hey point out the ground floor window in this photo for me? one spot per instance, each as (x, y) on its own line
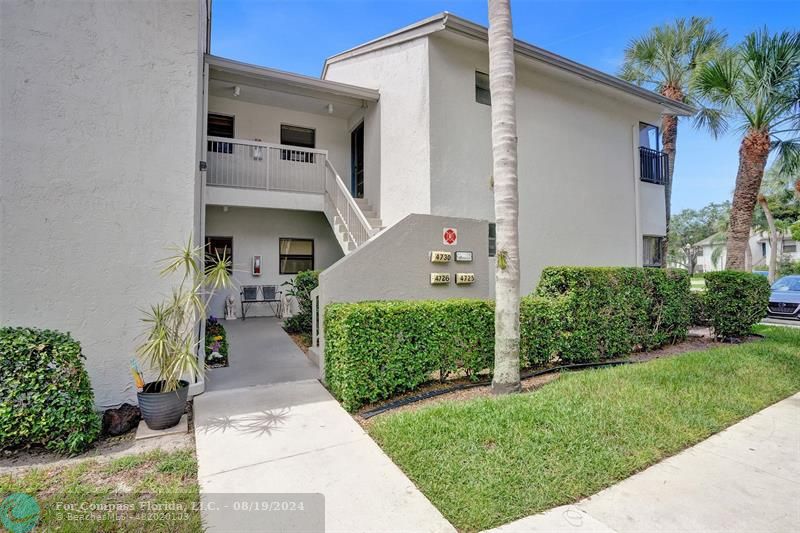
(221, 247)
(651, 247)
(296, 255)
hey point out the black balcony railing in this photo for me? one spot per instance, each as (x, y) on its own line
(653, 166)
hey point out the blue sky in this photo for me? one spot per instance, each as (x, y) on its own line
(298, 35)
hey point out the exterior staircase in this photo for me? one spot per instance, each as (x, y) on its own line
(354, 220)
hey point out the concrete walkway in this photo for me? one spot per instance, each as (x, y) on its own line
(744, 479)
(260, 352)
(290, 442)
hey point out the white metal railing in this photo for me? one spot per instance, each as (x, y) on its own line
(257, 165)
(341, 208)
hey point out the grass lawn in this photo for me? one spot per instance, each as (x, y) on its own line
(698, 283)
(489, 461)
(153, 478)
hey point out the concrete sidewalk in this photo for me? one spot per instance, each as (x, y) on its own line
(295, 438)
(260, 353)
(744, 479)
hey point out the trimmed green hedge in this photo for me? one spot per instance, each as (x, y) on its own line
(735, 301)
(698, 303)
(617, 310)
(45, 394)
(374, 350)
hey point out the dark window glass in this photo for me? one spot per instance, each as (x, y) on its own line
(651, 251)
(482, 93)
(492, 239)
(297, 136)
(789, 247)
(221, 247)
(296, 255)
(220, 126)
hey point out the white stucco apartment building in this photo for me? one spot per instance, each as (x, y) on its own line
(121, 135)
(712, 254)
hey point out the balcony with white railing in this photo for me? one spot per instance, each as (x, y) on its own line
(255, 174)
(271, 167)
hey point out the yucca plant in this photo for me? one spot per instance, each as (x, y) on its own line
(171, 342)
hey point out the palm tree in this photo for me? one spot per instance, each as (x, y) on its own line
(502, 81)
(772, 230)
(665, 60)
(757, 85)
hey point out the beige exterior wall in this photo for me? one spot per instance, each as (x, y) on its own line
(99, 155)
(577, 179)
(397, 131)
(581, 202)
(257, 232)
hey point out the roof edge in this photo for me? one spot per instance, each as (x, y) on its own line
(290, 78)
(448, 21)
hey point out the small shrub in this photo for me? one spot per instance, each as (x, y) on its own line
(788, 268)
(45, 394)
(735, 301)
(216, 340)
(300, 288)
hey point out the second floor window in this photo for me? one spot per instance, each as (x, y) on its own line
(482, 93)
(301, 137)
(220, 126)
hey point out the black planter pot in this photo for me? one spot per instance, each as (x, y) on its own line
(162, 410)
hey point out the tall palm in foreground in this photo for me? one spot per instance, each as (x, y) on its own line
(502, 81)
(665, 60)
(756, 85)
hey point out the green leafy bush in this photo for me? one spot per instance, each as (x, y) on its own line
(377, 349)
(735, 301)
(300, 288)
(788, 268)
(617, 310)
(45, 394)
(698, 306)
(374, 350)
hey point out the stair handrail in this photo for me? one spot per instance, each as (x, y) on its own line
(343, 192)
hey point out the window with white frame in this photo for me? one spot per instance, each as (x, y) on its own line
(789, 247)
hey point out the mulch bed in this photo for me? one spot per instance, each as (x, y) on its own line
(692, 344)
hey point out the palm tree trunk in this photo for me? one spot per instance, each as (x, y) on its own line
(502, 81)
(669, 141)
(773, 239)
(753, 154)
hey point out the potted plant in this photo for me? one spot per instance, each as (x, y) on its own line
(171, 342)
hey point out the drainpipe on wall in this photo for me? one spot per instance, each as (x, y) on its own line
(636, 196)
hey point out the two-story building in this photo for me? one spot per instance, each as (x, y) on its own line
(121, 135)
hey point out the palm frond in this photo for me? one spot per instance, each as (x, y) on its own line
(788, 158)
(714, 120)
